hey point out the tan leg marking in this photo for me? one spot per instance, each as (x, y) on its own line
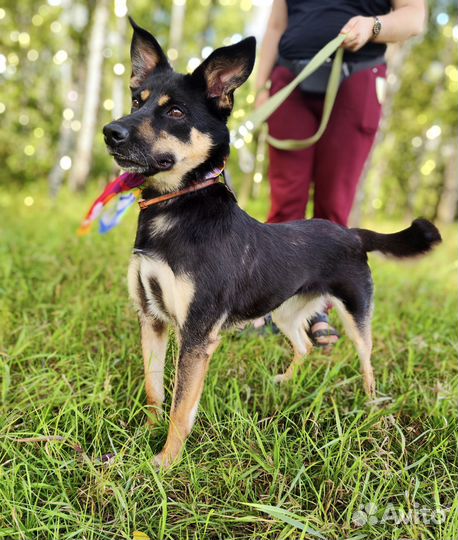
(365, 351)
(190, 375)
(291, 317)
(296, 362)
(153, 337)
(154, 347)
(189, 383)
(362, 338)
(133, 284)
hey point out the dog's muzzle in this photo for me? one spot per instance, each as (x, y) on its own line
(122, 145)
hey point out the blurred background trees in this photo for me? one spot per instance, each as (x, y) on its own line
(414, 166)
(64, 72)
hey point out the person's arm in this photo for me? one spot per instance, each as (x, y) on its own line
(407, 19)
(277, 24)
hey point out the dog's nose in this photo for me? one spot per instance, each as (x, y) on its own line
(115, 134)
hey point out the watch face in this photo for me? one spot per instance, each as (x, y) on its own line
(377, 27)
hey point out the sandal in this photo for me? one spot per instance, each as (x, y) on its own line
(261, 326)
(268, 325)
(317, 336)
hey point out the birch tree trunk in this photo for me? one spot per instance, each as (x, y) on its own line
(119, 42)
(83, 154)
(448, 202)
(203, 36)
(66, 135)
(118, 93)
(176, 24)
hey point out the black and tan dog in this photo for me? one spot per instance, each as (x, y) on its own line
(203, 264)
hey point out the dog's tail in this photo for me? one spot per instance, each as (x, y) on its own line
(417, 239)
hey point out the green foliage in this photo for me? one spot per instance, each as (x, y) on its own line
(407, 172)
(263, 461)
(32, 91)
(411, 158)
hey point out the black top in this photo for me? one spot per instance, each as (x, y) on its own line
(312, 23)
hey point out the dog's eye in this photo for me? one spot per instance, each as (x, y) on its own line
(135, 104)
(175, 112)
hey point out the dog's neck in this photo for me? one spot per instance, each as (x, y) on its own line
(168, 183)
(213, 177)
(189, 217)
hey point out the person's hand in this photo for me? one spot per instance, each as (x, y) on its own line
(261, 98)
(359, 32)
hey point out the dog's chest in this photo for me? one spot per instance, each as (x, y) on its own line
(159, 292)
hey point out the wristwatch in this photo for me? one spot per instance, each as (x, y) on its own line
(377, 27)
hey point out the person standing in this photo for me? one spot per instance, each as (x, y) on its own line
(297, 30)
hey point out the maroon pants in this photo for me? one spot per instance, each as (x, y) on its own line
(335, 163)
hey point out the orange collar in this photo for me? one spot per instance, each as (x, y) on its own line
(144, 203)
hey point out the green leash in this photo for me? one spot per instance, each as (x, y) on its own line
(259, 116)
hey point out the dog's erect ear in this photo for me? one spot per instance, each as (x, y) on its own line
(225, 70)
(146, 55)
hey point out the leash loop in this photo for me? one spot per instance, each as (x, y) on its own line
(259, 116)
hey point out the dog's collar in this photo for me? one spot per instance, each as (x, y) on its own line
(213, 177)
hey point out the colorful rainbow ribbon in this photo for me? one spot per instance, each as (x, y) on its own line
(109, 220)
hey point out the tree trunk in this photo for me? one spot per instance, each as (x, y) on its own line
(66, 135)
(176, 24)
(204, 36)
(83, 155)
(448, 202)
(119, 41)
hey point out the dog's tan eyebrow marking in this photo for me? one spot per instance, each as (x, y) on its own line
(145, 94)
(163, 100)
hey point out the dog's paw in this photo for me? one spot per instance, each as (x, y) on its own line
(281, 378)
(369, 384)
(369, 388)
(158, 460)
(164, 460)
(151, 423)
(153, 417)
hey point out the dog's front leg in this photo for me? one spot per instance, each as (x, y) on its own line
(154, 347)
(190, 375)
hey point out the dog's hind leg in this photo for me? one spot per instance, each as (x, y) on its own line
(154, 348)
(291, 318)
(358, 329)
(296, 362)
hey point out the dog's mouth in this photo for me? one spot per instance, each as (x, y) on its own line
(164, 162)
(159, 163)
(126, 161)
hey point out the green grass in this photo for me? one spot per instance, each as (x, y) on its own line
(263, 462)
